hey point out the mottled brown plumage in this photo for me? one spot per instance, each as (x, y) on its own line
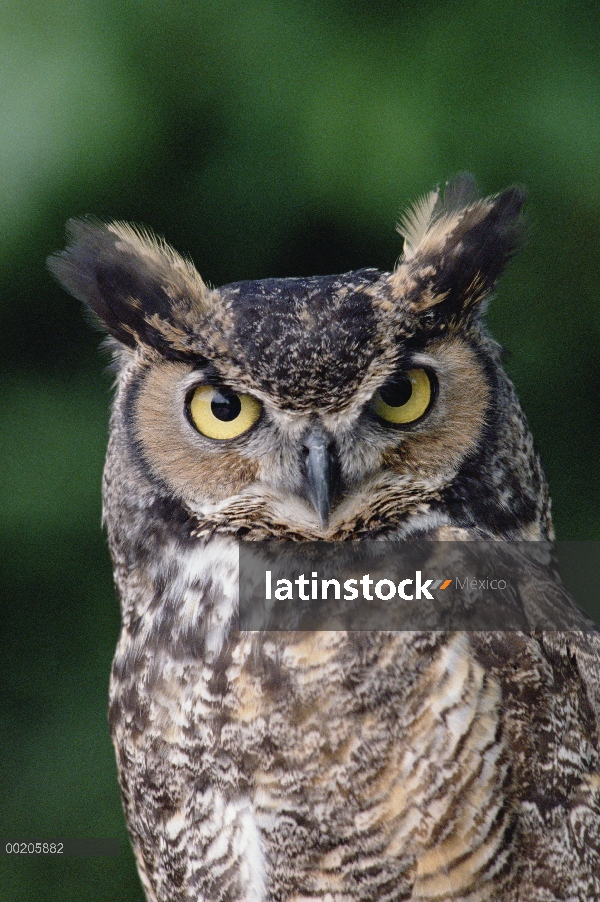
(334, 766)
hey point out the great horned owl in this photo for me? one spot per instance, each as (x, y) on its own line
(338, 766)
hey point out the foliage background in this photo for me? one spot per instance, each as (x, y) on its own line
(263, 138)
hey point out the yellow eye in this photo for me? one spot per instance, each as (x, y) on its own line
(217, 412)
(405, 398)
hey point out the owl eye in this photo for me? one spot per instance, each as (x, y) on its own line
(405, 398)
(217, 412)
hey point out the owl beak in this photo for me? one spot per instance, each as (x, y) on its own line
(320, 472)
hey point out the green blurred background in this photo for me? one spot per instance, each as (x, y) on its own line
(262, 138)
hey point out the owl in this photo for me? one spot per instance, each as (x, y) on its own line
(331, 766)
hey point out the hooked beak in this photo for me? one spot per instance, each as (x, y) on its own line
(321, 472)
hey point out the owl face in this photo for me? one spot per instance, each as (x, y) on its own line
(321, 408)
(219, 442)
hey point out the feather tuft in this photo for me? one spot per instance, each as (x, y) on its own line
(416, 221)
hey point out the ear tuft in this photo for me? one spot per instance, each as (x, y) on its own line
(455, 248)
(138, 286)
(415, 221)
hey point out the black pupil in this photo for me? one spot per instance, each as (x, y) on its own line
(225, 405)
(397, 393)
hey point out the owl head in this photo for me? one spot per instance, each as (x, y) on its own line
(334, 407)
